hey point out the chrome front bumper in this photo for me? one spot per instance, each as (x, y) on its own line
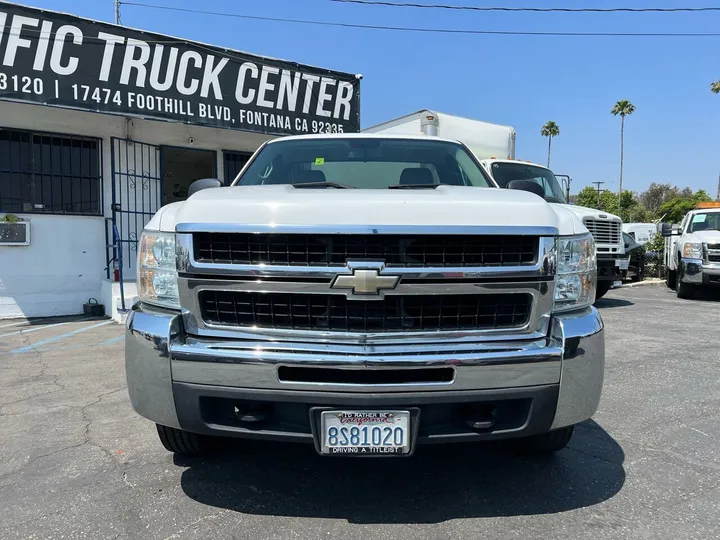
(160, 358)
(698, 271)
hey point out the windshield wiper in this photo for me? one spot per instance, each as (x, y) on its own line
(413, 186)
(320, 185)
(554, 200)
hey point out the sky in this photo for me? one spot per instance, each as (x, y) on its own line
(521, 81)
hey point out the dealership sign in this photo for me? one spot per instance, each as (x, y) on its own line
(66, 61)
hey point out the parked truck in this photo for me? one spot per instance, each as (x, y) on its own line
(692, 250)
(494, 146)
(365, 294)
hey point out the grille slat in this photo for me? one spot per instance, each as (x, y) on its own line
(337, 249)
(328, 312)
(604, 232)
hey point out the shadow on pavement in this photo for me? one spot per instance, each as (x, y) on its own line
(708, 294)
(439, 483)
(605, 303)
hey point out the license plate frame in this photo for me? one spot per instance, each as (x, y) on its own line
(317, 426)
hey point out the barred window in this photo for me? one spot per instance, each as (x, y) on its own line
(49, 173)
(234, 162)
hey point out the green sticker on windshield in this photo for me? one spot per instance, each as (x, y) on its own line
(699, 218)
(319, 161)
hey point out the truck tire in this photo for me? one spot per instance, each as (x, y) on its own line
(670, 278)
(639, 272)
(684, 290)
(181, 442)
(602, 288)
(545, 443)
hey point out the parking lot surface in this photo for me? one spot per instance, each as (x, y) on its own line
(77, 462)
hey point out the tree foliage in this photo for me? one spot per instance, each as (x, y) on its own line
(657, 201)
(674, 210)
(623, 108)
(715, 87)
(657, 194)
(550, 129)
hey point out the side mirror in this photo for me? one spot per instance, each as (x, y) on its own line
(666, 230)
(203, 183)
(527, 185)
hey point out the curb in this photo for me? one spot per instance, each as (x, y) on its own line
(646, 282)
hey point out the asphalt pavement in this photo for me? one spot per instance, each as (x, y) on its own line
(77, 462)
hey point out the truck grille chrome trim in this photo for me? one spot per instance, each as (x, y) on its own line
(712, 253)
(535, 324)
(427, 304)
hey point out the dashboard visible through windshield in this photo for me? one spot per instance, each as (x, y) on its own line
(703, 221)
(366, 163)
(504, 173)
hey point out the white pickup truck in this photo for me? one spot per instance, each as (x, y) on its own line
(494, 146)
(692, 250)
(365, 294)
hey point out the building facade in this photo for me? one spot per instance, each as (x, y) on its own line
(101, 125)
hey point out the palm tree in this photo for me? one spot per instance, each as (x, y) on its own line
(715, 87)
(623, 108)
(550, 130)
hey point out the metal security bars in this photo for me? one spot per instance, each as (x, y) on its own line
(50, 173)
(137, 193)
(233, 162)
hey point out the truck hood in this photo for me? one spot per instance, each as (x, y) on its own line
(584, 212)
(284, 205)
(707, 237)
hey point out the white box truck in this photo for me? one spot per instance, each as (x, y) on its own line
(494, 147)
(483, 138)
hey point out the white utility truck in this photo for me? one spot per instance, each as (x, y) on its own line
(494, 146)
(692, 250)
(642, 233)
(365, 294)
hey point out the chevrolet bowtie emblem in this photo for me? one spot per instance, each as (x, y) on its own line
(365, 281)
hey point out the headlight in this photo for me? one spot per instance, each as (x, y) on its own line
(693, 251)
(576, 272)
(157, 274)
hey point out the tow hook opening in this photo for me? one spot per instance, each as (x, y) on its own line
(253, 413)
(480, 417)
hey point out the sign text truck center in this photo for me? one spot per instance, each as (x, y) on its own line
(100, 125)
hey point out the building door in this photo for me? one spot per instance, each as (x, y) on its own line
(137, 193)
(181, 167)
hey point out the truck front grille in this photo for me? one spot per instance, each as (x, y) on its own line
(331, 312)
(712, 253)
(603, 231)
(337, 249)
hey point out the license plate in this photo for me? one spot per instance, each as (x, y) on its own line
(365, 432)
(617, 284)
(623, 264)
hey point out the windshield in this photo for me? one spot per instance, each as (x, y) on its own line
(504, 173)
(371, 163)
(705, 222)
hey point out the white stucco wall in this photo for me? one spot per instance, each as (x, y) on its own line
(64, 264)
(58, 272)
